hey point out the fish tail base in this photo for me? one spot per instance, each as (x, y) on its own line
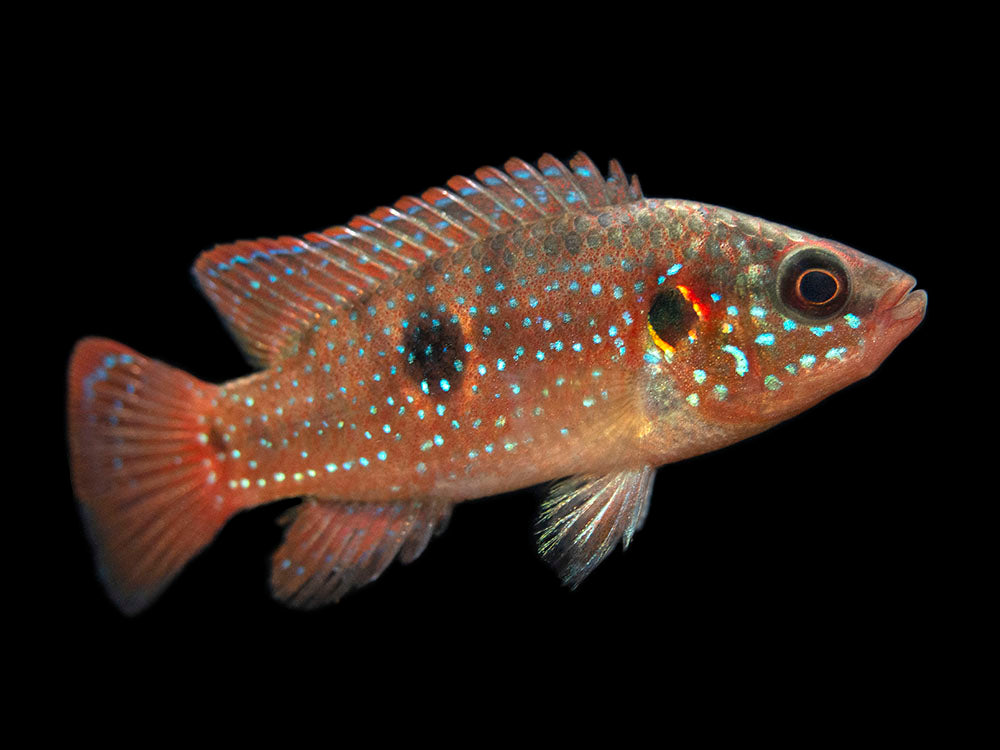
(144, 467)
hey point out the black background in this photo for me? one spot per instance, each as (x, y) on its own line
(813, 546)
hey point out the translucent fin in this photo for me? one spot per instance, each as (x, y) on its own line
(331, 548)
(584, 517)
(270, 291)
(143, 468)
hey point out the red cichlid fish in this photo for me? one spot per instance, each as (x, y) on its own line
(525, 326)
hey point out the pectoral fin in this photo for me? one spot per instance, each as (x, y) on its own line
(583, 518)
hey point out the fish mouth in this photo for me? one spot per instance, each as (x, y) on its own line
(904, 306)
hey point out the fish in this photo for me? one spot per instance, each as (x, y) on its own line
(532, 325)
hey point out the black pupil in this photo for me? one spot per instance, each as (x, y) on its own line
(817, 287)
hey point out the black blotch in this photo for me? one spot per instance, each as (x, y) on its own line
(671, 316)
(433, 348)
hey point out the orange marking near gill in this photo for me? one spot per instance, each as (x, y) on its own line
(696, 304)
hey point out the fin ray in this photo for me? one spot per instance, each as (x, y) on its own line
(333, 547)
(585, 517)
(148, 482)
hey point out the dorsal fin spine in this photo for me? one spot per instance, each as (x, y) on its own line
(430, 232)
(499, 204)
(503, 179)
(448, 241)
(474, 187)
(399, 216)
(447, 201)
(557, 167)
(391, 250)
(533, 173)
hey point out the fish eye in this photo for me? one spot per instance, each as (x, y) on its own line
(813, 283)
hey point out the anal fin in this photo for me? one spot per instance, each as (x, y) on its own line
(333, 547)
(584, 517)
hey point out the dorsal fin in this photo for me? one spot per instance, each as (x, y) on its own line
(270, 291)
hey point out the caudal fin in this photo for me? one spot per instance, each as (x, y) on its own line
(143, 467)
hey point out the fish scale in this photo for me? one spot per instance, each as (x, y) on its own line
(529, 325)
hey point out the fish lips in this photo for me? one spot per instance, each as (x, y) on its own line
(903, 307)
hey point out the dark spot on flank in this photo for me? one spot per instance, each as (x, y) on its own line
(435, 355)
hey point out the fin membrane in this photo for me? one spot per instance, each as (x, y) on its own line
(271, 291)
(332, 547)
(584, 517)
(146, 477)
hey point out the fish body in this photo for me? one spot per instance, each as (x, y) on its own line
(527, 326)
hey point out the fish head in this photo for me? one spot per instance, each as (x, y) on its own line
(766, 326)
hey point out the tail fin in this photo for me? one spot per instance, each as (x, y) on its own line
(143, 467)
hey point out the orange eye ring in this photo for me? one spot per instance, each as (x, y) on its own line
(817, 286)
(813, 284)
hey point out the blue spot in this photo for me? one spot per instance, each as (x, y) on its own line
(742, 364)
(595, 288)
(674, 269)
(381, 455)
(765, 339)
